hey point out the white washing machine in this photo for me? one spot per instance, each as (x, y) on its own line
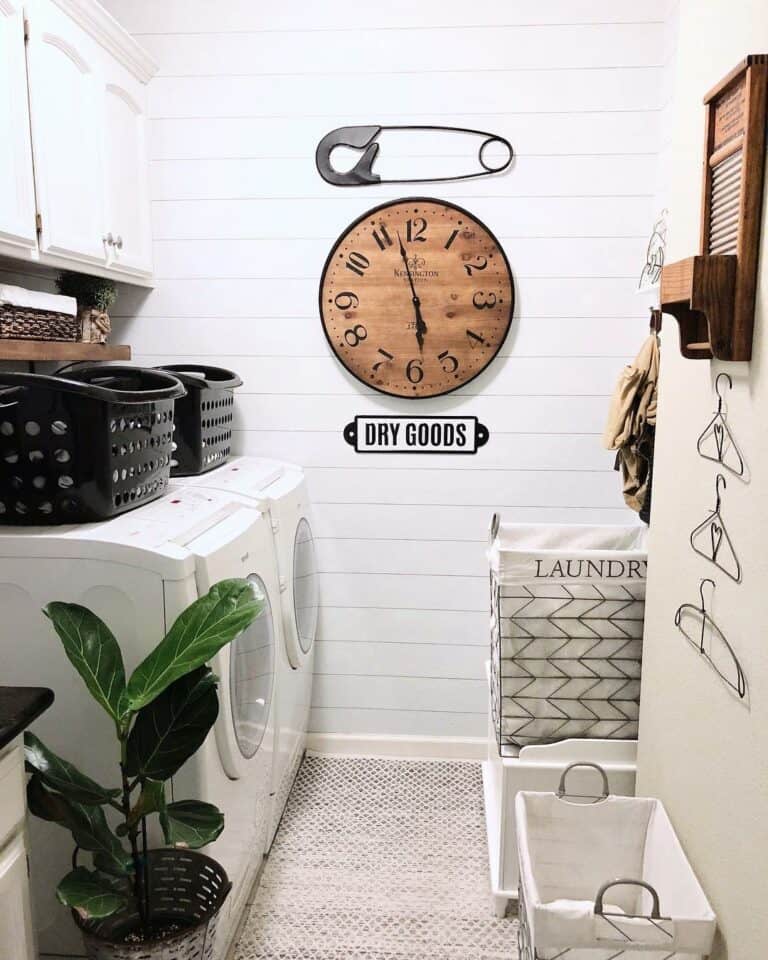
(281, 489)
(138, 572)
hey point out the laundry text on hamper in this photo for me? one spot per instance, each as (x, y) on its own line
(587, 569)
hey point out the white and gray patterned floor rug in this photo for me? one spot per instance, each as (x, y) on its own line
(379, 860)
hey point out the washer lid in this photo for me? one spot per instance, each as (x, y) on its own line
(154, 536)
(247, 476)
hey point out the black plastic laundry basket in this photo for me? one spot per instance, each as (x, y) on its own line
(84, 447)
(203, 432)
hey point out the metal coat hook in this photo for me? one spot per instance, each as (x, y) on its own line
(716, 441)
(726, 666)
(710, 537)
(366, 138)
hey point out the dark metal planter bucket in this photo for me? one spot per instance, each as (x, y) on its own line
(187, 888)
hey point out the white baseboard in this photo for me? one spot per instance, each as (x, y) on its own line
(399, 747)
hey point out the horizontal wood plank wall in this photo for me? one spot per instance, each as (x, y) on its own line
(242, 226)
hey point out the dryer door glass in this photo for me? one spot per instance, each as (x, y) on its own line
(304, 585)
(251, 675)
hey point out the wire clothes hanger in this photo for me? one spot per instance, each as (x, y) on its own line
(654, 254)
(720, 654)
(716, 442)
(710, 539)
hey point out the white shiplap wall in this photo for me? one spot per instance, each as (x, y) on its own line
(242, 225)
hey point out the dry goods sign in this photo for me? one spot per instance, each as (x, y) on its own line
(389, 434)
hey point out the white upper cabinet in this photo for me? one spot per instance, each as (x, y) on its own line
(17, 191)
(127, 219)
(67, 134)
(86, 81)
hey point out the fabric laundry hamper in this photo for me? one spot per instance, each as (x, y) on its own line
(567, 609)
(605, 877)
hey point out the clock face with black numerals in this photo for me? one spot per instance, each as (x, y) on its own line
(416, 298)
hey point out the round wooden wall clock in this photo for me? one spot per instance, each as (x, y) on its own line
(416, 297)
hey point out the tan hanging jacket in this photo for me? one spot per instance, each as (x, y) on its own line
(632, 412)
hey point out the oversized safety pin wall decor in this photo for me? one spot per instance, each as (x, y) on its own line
(720, 655)
(710, 539)
(366, 138)
(716, 441)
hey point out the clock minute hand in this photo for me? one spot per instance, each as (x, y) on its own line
(421, 327)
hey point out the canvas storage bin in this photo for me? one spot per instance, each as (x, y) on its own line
(605, 877)
(567, 609)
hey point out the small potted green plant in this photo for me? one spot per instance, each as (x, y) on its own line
(133, 902)
(94, 296)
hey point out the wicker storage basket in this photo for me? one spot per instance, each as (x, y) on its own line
(186, 888)
(25, 323)
(86, 447)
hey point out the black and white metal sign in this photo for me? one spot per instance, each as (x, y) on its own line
(388, 434)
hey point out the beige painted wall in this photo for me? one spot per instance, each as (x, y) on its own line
(704, 752)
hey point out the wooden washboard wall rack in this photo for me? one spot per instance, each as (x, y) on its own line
(712, 295)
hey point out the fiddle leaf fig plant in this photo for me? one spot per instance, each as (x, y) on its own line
(161, 715)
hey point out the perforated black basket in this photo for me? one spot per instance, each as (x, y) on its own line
(203, 433)
(187, 890)
(84, 447)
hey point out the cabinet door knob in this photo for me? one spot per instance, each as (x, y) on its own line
(108, 239)
(119, 242)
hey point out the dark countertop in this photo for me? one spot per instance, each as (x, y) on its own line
(20, 706)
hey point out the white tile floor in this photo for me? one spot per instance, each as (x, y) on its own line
(381, 860)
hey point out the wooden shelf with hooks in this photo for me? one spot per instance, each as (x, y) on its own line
(36, 351)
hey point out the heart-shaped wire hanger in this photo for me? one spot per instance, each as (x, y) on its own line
(716, 442)
(710, 538)
(720, 654)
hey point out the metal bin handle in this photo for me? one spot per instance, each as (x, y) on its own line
(561, 791)
(655, 909)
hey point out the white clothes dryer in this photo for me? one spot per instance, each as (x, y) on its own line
(138, 572)
(280, 488)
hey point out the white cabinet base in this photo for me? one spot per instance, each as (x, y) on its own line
(17, 935)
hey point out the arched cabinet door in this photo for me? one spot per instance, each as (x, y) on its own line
(17, 193)
(67, 134)
(126, 181)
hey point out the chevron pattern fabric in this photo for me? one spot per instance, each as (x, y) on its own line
(566, 661)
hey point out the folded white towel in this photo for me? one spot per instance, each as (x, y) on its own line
(570, 909)
(35, 300)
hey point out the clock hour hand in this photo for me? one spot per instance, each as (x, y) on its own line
(421, 327)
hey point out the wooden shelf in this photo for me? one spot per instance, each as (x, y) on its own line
(699, 293)
(40, 350)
